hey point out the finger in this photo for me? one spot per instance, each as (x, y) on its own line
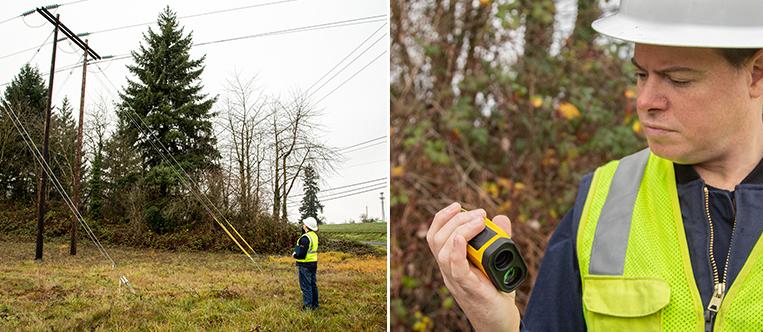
(468, 277)
(440, 218)
(455, 222)
(446, 251)
(460, 268)
(503, 222)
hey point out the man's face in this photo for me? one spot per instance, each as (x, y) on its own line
(692, 104)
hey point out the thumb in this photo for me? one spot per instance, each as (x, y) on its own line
(503, 222)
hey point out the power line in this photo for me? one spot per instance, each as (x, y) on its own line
(151, 22)
(351, 77)
(39, 48)
(368, 19)
(367, 163)
(365, 147)
(347, 56)
(193, 15)
(361, 143)
(46, 7)
(355, 194)
(347, 186)
(347, 65)
(287, 31)
(384, 185)
(322, 197)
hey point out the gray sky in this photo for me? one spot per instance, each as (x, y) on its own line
(356, 112)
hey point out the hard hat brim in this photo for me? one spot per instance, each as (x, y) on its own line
(679, 35)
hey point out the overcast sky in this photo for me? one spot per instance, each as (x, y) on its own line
(285, 62)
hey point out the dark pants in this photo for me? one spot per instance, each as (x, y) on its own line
(309, 287)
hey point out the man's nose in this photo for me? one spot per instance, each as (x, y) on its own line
(651, 96)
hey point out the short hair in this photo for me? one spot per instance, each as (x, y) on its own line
(737, 57)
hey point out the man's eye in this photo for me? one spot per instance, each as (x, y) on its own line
(679, 82)
(640, 76)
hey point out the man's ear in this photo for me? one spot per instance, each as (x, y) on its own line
(756, 84)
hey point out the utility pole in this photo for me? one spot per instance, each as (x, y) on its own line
(382, 201)
(78, 156)
(43, 182)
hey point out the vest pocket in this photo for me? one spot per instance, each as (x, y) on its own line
(616, 303)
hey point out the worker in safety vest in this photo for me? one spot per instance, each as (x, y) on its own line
(668, 238)
(306, 253)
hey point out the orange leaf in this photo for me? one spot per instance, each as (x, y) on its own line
(568, 111)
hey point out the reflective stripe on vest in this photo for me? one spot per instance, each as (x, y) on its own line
(634, 260)
(611, 238)
(312, 248)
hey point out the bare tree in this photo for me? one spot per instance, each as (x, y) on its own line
(244, 112)
(296, 145)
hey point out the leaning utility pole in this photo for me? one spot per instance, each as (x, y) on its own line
(43, 182)
(78, 157)
(382, 201)
(42, 187)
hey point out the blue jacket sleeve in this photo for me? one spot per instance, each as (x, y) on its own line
(300, 252)
(556, 301)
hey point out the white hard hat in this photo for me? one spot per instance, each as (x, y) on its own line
(311, 223)
(689, 23)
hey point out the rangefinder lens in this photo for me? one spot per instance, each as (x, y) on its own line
(503, 259)
(512, 276)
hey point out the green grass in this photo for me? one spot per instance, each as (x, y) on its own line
(376, 232)
(184, 291)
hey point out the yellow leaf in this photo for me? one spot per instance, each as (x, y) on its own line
(485, 2)
(519, 186)
(492, 189)
(398, 171)
(636, 127)
(629, 93)
(568, 111)
(504, 182)
(536, 101)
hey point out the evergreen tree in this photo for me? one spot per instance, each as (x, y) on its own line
(96, 185)
(310, 204)
(166, 100)
(27, 97)
(63, 144)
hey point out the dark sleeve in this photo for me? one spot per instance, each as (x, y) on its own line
(556, 301)
(301, 249)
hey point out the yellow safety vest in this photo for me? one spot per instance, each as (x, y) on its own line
(312, 249)
(645, 282)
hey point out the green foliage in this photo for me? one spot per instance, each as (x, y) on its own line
(96, 184)
(365, 232)
(63, 144)
(310, 204)
(26, 96)
(166, 101)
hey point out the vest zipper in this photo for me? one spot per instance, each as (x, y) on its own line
(719, 286)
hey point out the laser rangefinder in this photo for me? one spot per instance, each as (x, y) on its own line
(495, 254)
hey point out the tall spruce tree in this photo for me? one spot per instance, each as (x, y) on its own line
(27, 97)
(310, 204)
(166, 97)
(95, 185)
(63, 144)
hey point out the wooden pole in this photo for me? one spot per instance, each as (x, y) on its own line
(78, 157)
(43, 182)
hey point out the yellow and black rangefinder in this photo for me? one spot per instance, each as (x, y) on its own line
(496, 255)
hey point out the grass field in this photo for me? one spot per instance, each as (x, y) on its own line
(183, 291)
(374, 232)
